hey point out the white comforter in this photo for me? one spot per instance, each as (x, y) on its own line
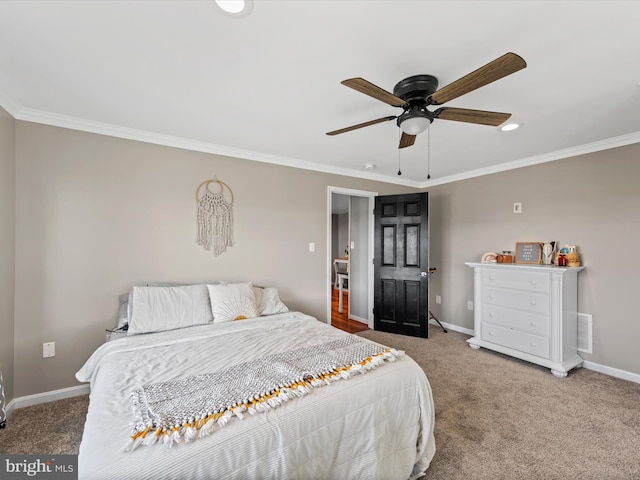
(376, 425)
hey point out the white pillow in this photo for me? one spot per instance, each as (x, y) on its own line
(268, 301)
(155, 309)
(129, 305)
(233, 301)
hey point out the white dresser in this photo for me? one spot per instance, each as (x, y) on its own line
(529, 312)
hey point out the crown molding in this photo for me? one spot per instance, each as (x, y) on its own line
(74, 123)
(605, 144)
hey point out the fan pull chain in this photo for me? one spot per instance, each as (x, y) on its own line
(399, 150)
(428, 154)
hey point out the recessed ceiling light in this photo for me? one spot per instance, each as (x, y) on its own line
(235, 8)
(509, 126)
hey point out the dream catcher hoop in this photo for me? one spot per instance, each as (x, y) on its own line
(215, 217)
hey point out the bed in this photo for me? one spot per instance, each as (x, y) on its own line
(376, 422)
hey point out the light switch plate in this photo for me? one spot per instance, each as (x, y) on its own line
(48, 349)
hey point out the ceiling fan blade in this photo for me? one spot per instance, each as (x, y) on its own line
(501, 67)
(471, 116)
(406, 140)
(361, 125)
(368, 88)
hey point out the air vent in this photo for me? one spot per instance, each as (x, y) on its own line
(585, 333)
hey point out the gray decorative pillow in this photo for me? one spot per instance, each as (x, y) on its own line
(123, 310)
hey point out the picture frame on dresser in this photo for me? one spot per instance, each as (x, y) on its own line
(529, 252)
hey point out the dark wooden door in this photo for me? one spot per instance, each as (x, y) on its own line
(401, 264)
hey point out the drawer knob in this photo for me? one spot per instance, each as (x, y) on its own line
(533, 282)
(490, 278)
(533, 324)
(533, 344)
(491, 295)
(491, 315)
(491, 334)
(533, 302)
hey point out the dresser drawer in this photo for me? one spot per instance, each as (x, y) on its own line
(523, 342)
(520, 279)
(523, 321)
(525, 301)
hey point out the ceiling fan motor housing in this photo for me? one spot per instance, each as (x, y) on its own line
(417, 87)
(415, 90)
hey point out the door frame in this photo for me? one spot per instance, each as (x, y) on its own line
(329, 259)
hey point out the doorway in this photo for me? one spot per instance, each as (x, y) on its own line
(350, 235)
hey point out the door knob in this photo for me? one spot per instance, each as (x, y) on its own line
(424, 274)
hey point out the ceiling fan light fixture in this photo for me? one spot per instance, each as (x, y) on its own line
(414, 121)
(509, 127)
(235, 8)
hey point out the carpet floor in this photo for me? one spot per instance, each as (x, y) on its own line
(496, 417)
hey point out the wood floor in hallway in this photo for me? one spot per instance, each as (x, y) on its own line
(341, 320)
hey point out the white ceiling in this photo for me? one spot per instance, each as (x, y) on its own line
(267, 87)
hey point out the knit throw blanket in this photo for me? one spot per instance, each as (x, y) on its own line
(187, 409)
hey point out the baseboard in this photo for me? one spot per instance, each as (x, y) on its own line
(614, 372)
(9, 408)
(455, 328)
(359, 319)
(44, 397)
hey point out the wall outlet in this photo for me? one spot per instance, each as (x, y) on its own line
(438, 299)
(312, 247)
(517, 207)
(48, 349)
(469, 304)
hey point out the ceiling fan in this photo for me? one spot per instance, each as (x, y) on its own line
(414, 94)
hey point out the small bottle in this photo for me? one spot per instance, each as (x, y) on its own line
(562, 260)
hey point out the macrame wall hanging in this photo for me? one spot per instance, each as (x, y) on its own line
(215, 217)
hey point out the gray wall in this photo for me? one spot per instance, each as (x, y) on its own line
(7, 247)
(97, 214)
(591, 201)
(358, 259)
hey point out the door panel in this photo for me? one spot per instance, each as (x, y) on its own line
(388, 245)
(412, 246)
(401, 254)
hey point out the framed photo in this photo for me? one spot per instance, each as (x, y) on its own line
(529, 252)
